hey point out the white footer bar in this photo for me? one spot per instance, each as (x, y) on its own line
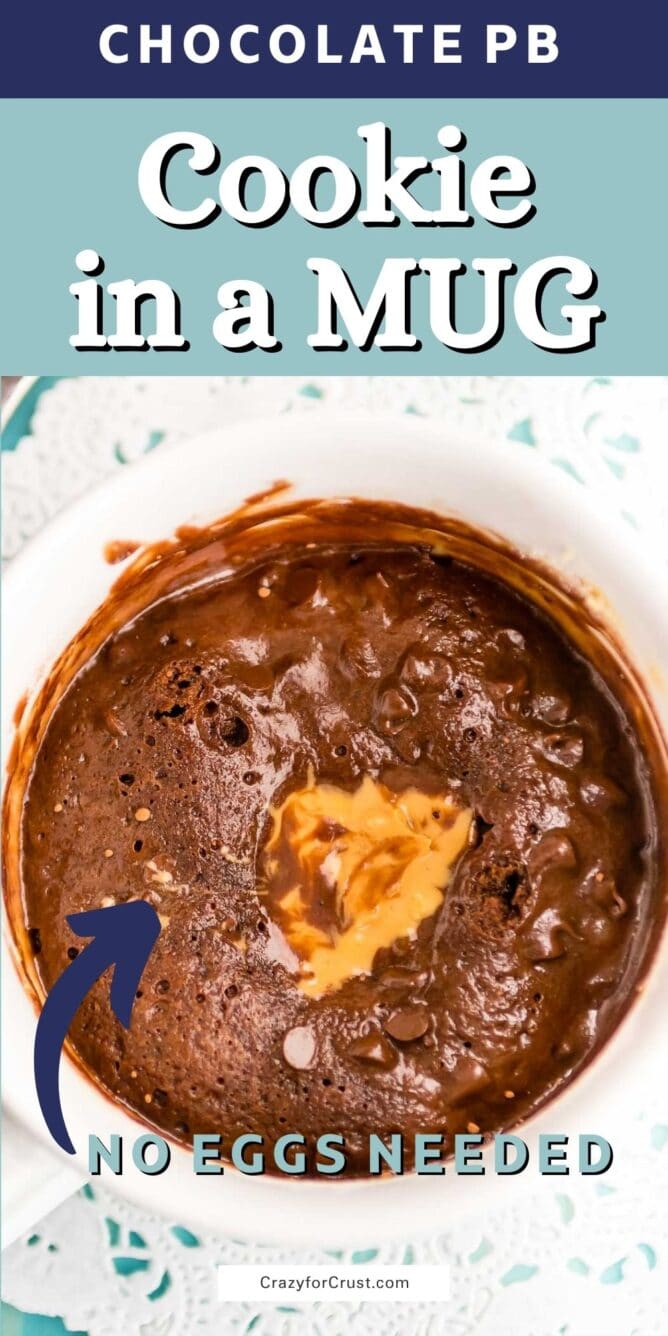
(330, 1284)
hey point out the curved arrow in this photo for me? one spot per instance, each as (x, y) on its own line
(123, 936)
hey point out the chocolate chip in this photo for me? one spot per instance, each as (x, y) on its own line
(114, 724)
(597, 928)
(160, 1097)
(546, 940)
(373, 1048)
(400, 976)
(603, 890)
(551, 708)
(300, 585)
(601, 793)
(422, 669)
(299, 1047)
(553, 850)
(35, 940)
(358, 657)
(565, 748)
(395, 708)
(407, 1023)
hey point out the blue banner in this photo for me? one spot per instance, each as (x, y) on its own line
(493, 48)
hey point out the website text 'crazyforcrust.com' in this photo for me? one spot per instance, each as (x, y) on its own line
(259, 1283)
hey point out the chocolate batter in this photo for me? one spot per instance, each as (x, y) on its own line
(400, 831)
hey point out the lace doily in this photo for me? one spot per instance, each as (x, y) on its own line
(571, 1259)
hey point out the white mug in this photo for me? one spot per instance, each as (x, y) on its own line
(61, 577)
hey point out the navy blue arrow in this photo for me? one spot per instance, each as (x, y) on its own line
(124, 936)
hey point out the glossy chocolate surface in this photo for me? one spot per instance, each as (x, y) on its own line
(324, 658)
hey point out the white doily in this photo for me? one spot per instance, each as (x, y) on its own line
(586, 1263)
(569, 1261)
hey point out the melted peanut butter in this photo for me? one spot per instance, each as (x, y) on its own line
(382, 859)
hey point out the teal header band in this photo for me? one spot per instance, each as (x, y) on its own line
(71, 186)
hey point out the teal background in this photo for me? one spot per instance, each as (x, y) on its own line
(13, 1323)
(70, 174)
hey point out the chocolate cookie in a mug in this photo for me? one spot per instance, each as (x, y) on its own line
(399, 819)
